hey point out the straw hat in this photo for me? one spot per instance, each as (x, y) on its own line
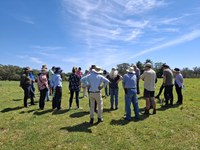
(131, 70)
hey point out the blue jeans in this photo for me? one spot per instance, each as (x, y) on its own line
(131, 96)
(114, 97)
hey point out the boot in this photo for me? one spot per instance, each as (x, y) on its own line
(146, 111)
(154, 111)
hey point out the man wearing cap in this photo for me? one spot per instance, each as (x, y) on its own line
(149, 78)
(57, 88)
(26, 83)
(130, 87)
(178, 85)
(168, 82)
(95, 83)
(114, 79)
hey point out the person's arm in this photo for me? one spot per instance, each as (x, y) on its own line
(105, 82)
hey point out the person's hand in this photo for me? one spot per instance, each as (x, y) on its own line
(100, 87)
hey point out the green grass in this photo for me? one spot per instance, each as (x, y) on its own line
(29, 128)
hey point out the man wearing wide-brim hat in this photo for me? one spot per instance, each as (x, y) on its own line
(149, 78)
(95, 83)
(130, 87)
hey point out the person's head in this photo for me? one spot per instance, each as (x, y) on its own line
(104, 72)
(113, 73)
(147, 66)
(176, 70)
(27, 70)
(53, 68)
(165, 66)
(134, 66)
(130, 70)
(44, 71)
(92, 67)
(44, 66)
(86, 71)
(58, 70)
(79, 68)
(74, 69)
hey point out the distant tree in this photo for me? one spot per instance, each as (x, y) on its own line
(122, 68)
(158, 69)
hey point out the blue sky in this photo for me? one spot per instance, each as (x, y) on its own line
(69, 33)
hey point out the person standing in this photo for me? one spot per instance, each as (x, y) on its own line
(25, 84)
(85, 90)
(96, 83)
(130, 88)
(79, 72)
(107, 91)
(74, 87)
(149, 78)
(137, 73)
(50, 75)
(168, 84)
(56, 82)
(43, 87)
(114, 79)
(178, 85)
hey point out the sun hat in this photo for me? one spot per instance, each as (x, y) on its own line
(131, 70)
(148, 65)
(165, 66)
(58, 70)
(27, 69)
(97, 69)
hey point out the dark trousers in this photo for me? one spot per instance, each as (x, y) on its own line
(56, 103)
(161, 89)
(28, 93)
(72, 96)
(179, 94)
(138, 87)
(168, 93)
(43, 93)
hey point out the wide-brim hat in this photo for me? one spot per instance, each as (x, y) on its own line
(148, 65)
(131, 70)
(165, 66)
(97, 69)
(27, 69)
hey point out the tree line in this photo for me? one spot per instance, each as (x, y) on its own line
(13, 73)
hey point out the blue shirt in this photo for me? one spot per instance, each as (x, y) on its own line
(129, 81)
(94, 80)
(56, 80)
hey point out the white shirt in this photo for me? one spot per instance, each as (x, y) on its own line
(149, 78)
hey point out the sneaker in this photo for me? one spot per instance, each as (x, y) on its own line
(100, 120)
(70, 108)
(125, 118)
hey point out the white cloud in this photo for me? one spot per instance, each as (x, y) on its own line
(47, 48)
(184, 38)
(26, 19)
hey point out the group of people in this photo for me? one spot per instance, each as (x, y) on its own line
(95, 79)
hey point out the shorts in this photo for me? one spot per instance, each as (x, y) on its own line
(148, 93)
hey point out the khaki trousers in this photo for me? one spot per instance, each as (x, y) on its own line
(98, 98)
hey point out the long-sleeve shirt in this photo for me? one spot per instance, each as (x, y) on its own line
(42, 81)
(74, 82)
(94, 80)
(56, 81)
(179, 80)
(129, 81)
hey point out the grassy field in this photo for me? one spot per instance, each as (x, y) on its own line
(32, 129)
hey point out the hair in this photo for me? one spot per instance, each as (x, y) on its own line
(74, 69)
(113, 74)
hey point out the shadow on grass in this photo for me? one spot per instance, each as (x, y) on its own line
(29, 111)
(40, 112)
(121, 122)
(83, 127)
(16, 100)
(79, 114)
(11, 109)
(141, 97)
(59, 112)
(163, 108)
(108, 110)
